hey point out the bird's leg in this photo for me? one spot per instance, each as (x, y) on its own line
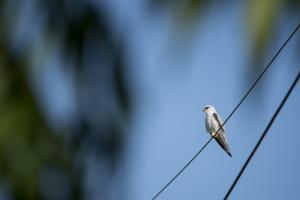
(213, 134)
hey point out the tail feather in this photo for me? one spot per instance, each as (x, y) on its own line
(221, 140)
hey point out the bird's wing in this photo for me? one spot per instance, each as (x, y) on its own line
(219, 121)
(222, 141)
(221, 137)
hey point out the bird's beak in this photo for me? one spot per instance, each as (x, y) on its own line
(203, 109)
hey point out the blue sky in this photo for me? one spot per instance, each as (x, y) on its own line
(174, 71)
(173, 82)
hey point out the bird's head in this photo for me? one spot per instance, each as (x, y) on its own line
(208, 108)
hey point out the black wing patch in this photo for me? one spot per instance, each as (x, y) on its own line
(217, 119)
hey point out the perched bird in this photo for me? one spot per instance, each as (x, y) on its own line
(213, 122)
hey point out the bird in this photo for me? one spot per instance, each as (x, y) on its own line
(213, 123)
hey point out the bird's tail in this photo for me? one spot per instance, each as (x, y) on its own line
(222, 141)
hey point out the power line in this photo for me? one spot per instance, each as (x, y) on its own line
(236, 107)
(262, 136)
(182, 169)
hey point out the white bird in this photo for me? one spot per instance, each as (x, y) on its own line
(213, 122)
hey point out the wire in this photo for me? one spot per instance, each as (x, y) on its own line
(182, 169)
(236, 107)
(262, 136)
